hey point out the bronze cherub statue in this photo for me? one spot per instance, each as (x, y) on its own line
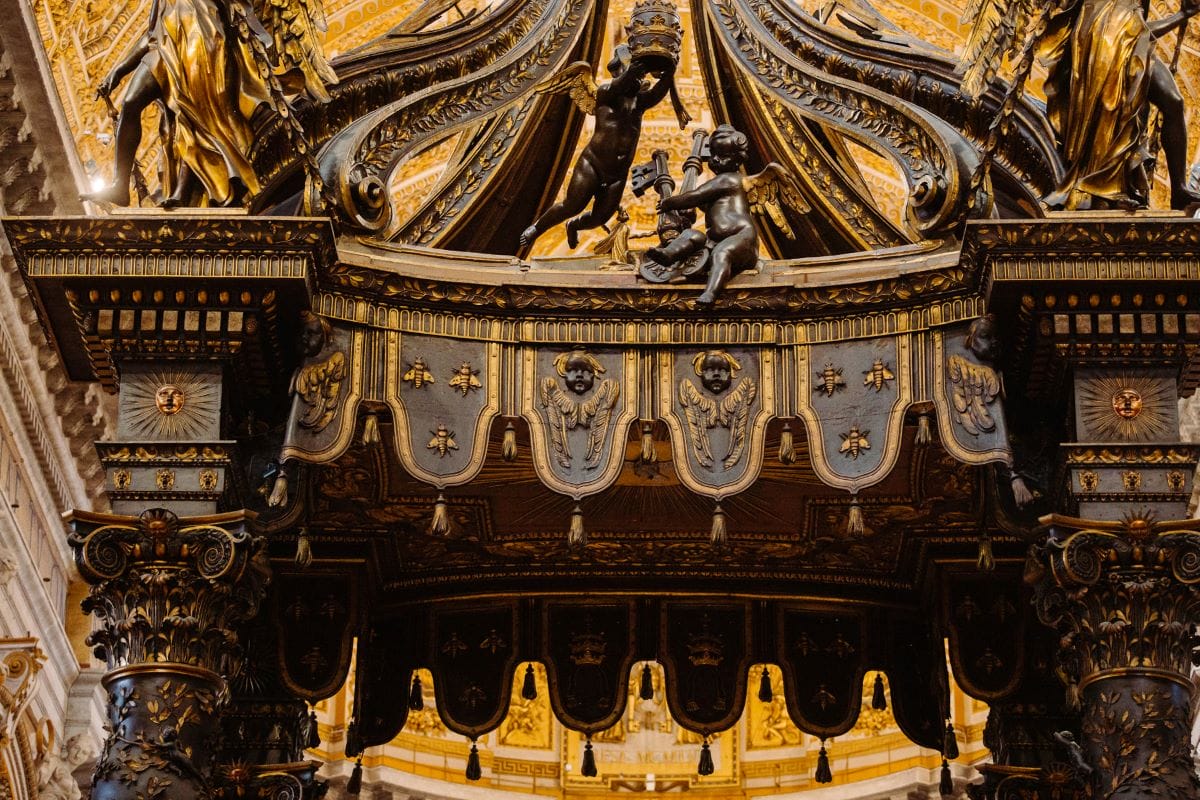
(603, 166)
(729, 201)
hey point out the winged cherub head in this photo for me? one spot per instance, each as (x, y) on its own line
(981, 338)
(716, 369)
(314, 334)
(728, 149)
(578, 369)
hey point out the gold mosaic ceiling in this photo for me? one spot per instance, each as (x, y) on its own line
(84, 38)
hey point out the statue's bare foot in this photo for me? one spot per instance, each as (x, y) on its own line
(706, 299)
(572, 235)
(114, 194)
(658, 256)
(1183, 198)
(528, 235)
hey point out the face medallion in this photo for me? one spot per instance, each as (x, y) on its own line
(169, 399)
(1127, 403)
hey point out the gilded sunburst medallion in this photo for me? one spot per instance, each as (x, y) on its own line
(1126, 407)
(171, 405)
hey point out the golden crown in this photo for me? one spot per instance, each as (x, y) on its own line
(655, 33)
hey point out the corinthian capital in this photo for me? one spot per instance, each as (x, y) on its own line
(167, 589)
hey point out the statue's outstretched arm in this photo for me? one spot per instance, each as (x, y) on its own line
(648, 98)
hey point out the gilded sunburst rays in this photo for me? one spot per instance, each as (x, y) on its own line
(1127, 407)
(195, 399)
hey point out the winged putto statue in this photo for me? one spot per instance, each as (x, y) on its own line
(705, 410)
(603, 166)
(318, 384)
(1103, 76)
(567, 409)
(729, 200)
(210, 64)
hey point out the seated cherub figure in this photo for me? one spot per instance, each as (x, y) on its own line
(728, 200)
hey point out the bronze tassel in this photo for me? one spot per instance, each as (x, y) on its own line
(924, 430)
(720, 537)
(509, 448)
(440, 524)
(986, 562)
(787, 448)
(649, 454)
(950, 744)
(588, 770)
(764, 686)
(474, 771)
(706, 761)
(576, 535)
(416, 696)
(529, 687)
(646, 690)
(824, 773)
(354, 785)
(946, 784)
(370, 434)
(879, 697)
(279, 491)
(304, 556)
(855, 526)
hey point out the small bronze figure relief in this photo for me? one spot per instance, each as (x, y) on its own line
(578, 370)
(603, 167)
(974, 384)
(730, 243)
(318, 384)
(705, 410)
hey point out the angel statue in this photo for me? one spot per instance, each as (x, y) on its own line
(200, 61)
(716, 370)
(729, 200)
(1103, 74)
(603, 166)
(578, 370)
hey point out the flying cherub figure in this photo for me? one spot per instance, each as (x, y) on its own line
(729, 200)
(603, 166)
(578, 370)
(716, 370)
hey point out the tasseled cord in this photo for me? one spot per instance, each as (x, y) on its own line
(304, 556)
(720, 536)
(824, 773)
(649, 453)
(440, 524)
(509, 447)
(370, 434)
(879, 697)
(854, 520)
(588, 770)
(787, 448)
(646, 690)
(314, 733)
(576, 535)
(279, 490)
(705, 767)
(416, 695)
(764, 686)
(924, 430)
(946, 784)
(986, 562)
(950, 744)
(354, 785)
(529, 687)
(474, 771)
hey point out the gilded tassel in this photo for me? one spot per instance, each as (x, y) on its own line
(879, 697)
(950, 744)
(720, 537)
(576, 535)
(279, 491)
(855, 526)
(304, 556)
(946, 784)
(706, 762)
(529, 688)
(370, 434)
(509, 448)
(649, 453)
(1022, 495)
(646, 691)
(440, 524)
(824, 773)
(314, 733)
(354, 785)
(764, 686)
(416, 696)
(986, 562)
(588, 770)
(474, 771)
(924, 430)
(787, 449)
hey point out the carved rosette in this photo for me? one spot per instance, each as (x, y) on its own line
(1122, 597)
(168, 594)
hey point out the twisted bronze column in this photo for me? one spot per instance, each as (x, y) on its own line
(168, 593)
(1122, 597)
